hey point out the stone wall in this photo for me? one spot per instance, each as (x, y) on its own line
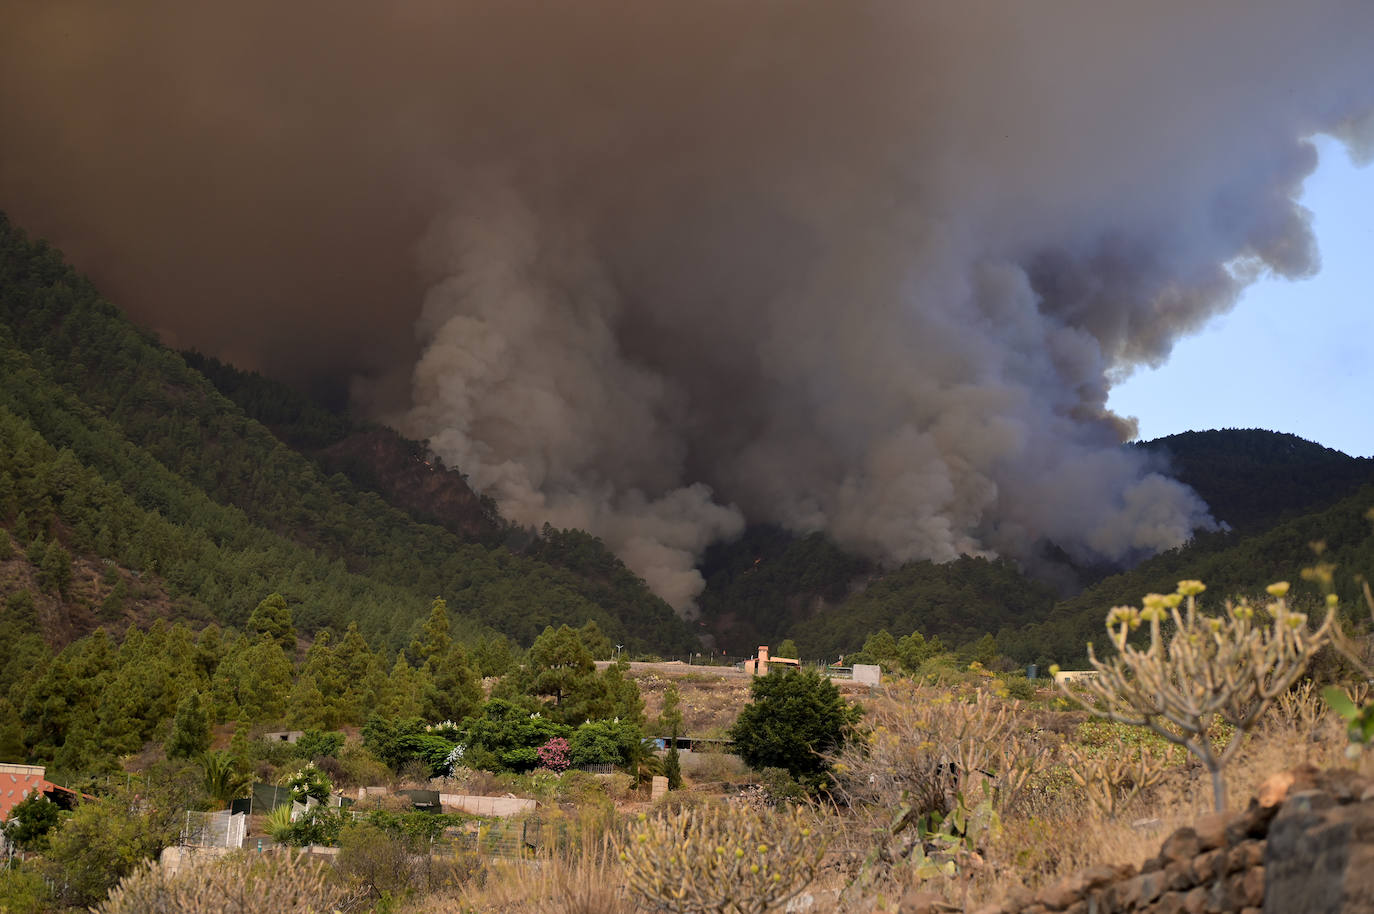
(1304, 846)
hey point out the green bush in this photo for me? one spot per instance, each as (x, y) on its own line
(795, 719)
(315, 744)
(22, 891)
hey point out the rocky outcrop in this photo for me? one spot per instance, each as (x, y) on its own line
(1305, 845)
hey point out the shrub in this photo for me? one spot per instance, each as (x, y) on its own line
(309, 782)
(794, 721)
(283, 883)
(318, 826)
(719, 858)
(23, 891)
(1227, 668)
(30, 821)
(315, 744)
(553, 755)
(606, 742)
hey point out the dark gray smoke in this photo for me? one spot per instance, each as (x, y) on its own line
(651, 268)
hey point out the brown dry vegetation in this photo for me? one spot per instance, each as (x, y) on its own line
(1046, 828)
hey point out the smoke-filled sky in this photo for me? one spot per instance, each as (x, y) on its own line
(656, 268)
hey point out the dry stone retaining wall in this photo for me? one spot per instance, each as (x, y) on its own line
(1304, 846)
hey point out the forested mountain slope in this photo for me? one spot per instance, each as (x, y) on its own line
(1277, 493)
(115, 449)
(1230, 564)
(1253, 478)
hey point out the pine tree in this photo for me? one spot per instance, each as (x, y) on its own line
(272, 617)
(55, 571)
(190, 729)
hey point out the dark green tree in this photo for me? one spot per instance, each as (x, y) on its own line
(272, 617)
(795, 718)
(670, 717)
(434, 640)
(190, 729)
(30, 821)
(55, 572)
(494, 656)
(596, 642)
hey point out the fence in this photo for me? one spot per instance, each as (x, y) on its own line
(527, 838)
(214, 829)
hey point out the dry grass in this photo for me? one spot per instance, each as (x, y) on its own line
(587, 882)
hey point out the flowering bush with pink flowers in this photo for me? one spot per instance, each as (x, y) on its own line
(554, 754)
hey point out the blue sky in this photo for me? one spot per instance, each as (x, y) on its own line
(1291, 356)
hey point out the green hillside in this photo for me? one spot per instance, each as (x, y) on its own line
(114, 450)
(1252, 478)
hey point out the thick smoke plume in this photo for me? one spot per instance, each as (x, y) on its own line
(865, 267)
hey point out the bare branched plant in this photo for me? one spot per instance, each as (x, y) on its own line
(720, 859)
(921, 754)
(1227, 668)
(926, 786)
(1112, 780)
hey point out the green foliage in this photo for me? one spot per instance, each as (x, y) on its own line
(606, 742)
(507, 737)
(309, 782)
(190, 729)
(102, 842)
(272, 617)
(30, 821)
(55, 571)
(1359, 719)
(794, 719)
(958, 601)
(315, 744)
(670, 717)
(672, 768)
(132, 455)
(23, 890)
(318, 825)
(781, 788)
(398, 741)
(494, 656)
(222, 781)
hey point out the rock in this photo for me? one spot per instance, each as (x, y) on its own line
(1251, 889)
(1274, 789)
(1208, 864)
(1253, 823)
(1168, 903)
(1182, 845)
(1211, 830)
(1060, 895)
(1137, 891)
(1319, 858)
(1195, 901)
(1244, 855)
(915, 902)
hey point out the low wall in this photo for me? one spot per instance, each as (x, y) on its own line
(485, 806)
(1305, 846)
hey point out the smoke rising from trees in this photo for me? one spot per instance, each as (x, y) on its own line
(655, 268)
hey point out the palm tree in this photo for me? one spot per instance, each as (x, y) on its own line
(223, 782)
